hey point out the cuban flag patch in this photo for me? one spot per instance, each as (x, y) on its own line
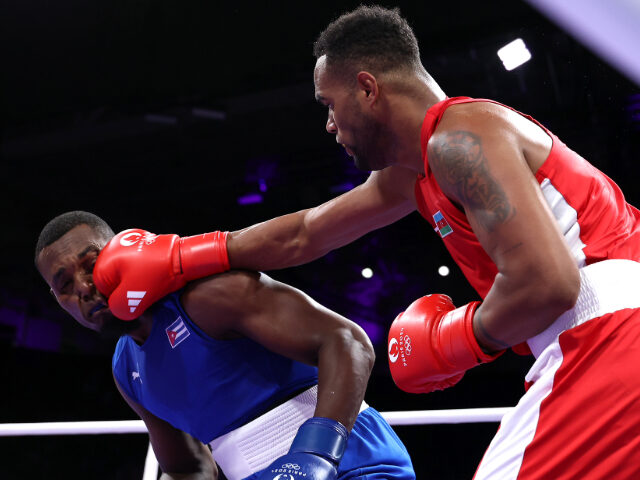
(442, 226)
(177, 332)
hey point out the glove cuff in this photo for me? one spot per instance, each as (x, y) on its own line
(204, 255)
(456, 333)
(323, 437)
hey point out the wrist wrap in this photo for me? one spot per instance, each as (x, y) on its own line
(323, 437)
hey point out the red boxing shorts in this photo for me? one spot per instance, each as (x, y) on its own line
(580, 417)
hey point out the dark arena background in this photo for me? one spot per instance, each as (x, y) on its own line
(186, 117)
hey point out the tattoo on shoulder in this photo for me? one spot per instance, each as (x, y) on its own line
(460, 166)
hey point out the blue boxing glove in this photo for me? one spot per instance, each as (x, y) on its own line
(315, 452)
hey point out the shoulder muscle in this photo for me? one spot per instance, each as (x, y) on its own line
(217, 303)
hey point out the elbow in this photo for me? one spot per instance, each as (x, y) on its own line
(365, 347)
(560, 291)
(572, 292)
(370, 355)
(570, 289)
(544, 291)
(357, 345)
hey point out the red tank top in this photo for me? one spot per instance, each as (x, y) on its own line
(589, 207)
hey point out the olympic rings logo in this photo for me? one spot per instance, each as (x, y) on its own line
(291, 466)
(407, 345)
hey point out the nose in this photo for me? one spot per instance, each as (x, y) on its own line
(331, 124)
(84, 286)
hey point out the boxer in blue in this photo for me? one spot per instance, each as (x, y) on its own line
(236, 371)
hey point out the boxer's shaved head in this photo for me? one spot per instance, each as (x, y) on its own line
(60, 225)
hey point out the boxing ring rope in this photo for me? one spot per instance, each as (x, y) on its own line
(416, 417)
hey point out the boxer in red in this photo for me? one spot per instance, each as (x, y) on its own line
(547, 240)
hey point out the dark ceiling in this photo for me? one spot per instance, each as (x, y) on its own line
(161, 115)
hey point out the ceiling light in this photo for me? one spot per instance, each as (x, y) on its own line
(514, 54)
(367, 272)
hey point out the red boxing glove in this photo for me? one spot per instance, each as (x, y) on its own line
(137, 268)
(432, 344)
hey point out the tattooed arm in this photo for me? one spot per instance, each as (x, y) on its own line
(478, 158)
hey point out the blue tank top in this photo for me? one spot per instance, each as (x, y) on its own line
(202, 386)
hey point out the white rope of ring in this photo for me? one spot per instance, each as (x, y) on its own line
(415, 417)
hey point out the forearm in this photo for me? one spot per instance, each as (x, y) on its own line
(306, 235)
(516, 310)
(277, 243)
(199, 464)
(344, 367)
(207, 470)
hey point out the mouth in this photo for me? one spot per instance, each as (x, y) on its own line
(96, 308)
(347, 149)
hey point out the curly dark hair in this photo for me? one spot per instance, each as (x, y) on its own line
(61, 224)
(370, 37)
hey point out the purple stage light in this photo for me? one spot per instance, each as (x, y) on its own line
(250, 199)
(374, 331)
(366, 292)
(341, 188)
(262, 169)
(37, 333)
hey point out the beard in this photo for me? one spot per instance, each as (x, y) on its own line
(370, 145)
(113, 328)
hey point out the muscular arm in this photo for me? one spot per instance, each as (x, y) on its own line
(306, 235)
(288, 322)
(479, 164)
(180, 456)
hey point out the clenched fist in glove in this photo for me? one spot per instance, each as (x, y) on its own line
(315, 452)
(137, 268)
(432, 344)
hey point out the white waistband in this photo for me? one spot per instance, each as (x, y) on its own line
(605, 287)
(252, 447)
